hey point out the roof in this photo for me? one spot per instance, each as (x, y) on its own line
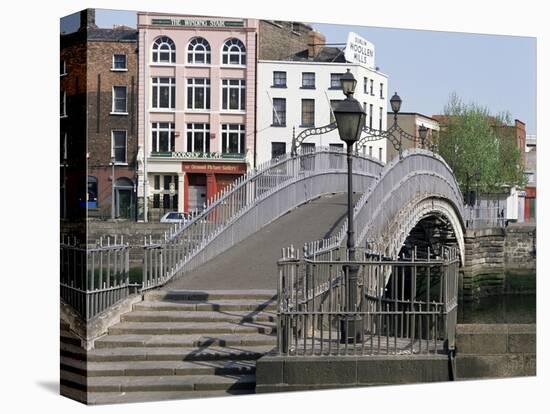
(95, 34)
(414, 114)
(326, 54)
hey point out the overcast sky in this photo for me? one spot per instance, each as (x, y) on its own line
(424, 67)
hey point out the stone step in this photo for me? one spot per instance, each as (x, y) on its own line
(190, 340)
(198, 316)
(147, 368)
(208, 295)
(161, 382)
(67, 337)
(182, 328)
(97, 398)
(217, 305)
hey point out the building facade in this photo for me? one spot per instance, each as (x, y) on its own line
(98, 71)
(530, 209)
(298, 93)
(197, 111)
(411, 123)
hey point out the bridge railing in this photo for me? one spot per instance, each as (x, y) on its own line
(94, 278)
(251, 202)
(415, 313)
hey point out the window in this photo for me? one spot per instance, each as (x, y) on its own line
(119, 62)
(380, 154)
(91, 196)
(370, 116)
(118, 146)
(164, 93)
(335, 81)
(296, 27)
(307, 147)
(335, 160)
(233, 94)
(164, 50)
(381, 91)
(372, 87)
(365, 85)
(279, 111)
(233, 139)
(119, 100)
(333, 103)
(63, 108)
(63, 156)
(198, 137)
(336, 147)
(278, 149)
(366, 112)
(157, 182)
(233, 52)
(63, 68)
(307, 163)
(370, 150)
(163, 137)
(198, 93)
(308, 112)
(198, 51)
(380, 120)
(308, 80)
(279, 79)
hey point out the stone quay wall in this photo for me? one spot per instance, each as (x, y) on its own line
(499, 260)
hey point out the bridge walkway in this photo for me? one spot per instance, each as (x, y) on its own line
(252, 264)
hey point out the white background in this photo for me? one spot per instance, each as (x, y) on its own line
(29, 353)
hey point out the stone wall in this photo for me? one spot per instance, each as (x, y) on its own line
(499, 260)
(495, 351)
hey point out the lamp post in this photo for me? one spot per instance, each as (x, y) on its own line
(395, 102)
(350, 117)
(113, 187)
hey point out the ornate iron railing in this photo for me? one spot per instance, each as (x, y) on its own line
(251, 202)
(407, 305)
(94, 278)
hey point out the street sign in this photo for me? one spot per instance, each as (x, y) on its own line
(359, 50)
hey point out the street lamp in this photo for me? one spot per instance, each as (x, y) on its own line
(113, 159)
(350, 117)
(422, 133)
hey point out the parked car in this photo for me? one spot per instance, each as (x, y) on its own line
(175, 217)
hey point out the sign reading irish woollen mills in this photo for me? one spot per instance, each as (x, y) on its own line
(360, 51)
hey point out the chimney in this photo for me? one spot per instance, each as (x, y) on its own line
(87, 19)
(316, 42)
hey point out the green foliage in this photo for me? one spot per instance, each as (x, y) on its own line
(474, 142)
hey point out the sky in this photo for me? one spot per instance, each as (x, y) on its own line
(424, 67)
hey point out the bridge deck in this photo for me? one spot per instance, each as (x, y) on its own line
(252, 264)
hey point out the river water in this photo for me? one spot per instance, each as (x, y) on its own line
(510, 308)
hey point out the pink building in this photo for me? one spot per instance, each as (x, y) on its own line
(196, 103)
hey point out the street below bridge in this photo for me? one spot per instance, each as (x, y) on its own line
(252, 264)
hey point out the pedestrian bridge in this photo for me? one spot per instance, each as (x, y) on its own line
(413, 196)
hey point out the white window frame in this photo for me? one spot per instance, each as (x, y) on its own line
(171, 129)
(192, 49)
(314, 80)
(125, 162)
(303, 101)
(241, 133)
(64, 73)
(226, 84)
(233, 47)
(125, 68)
(155, 48)
(113, 111)
(380, 153)
(206, 86)
(192, 129)
(171, 85)
(63, 113)
(381, 117)
(276, 117)
(279, 85)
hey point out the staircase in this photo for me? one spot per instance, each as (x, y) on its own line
(177, 344)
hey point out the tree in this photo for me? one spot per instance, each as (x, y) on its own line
(479, 145)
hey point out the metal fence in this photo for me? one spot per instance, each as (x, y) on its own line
(485, 217)
(94, 278)
(251, 202)
(405, 306)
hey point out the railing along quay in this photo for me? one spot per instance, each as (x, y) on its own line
(94, 278)
(251, 202)
(407, 305)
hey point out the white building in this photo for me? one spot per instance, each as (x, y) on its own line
(297, 94)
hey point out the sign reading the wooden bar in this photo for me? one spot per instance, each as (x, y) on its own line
(197, 22)
(199, 167)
